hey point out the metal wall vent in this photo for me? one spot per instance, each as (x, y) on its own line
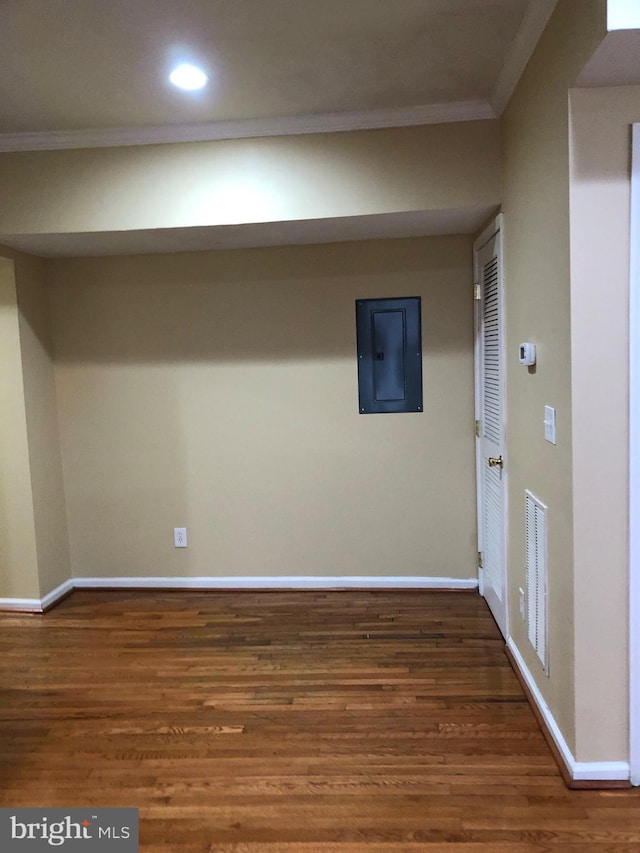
(536, 543)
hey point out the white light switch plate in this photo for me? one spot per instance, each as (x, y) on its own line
(550, 424)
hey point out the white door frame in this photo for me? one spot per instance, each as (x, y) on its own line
(496, 225)
(634, 466)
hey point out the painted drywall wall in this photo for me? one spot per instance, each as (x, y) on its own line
(43, 436)
(600, 196)
(218, 391)
(437, 167)
(18, 554)
(537, 274)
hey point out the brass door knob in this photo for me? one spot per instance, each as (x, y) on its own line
(495, 463)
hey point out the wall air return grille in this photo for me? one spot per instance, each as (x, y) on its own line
(536, 540)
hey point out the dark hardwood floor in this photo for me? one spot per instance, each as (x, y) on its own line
(281, 722)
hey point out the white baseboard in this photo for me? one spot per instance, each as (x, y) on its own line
(21, 605)
(278, 582)
(580, 771)
(56, 594)
(600, 771)
(38, 605)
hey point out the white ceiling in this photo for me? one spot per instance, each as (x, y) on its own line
(76, 64)
(80, 73)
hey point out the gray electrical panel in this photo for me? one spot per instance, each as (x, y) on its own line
(389, 355)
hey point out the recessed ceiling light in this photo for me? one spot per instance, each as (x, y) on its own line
(189, 77)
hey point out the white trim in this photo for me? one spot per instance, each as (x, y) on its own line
(477, 352)
(533, 24)
(489, 231)
(580, 771)
(623, 15)
(283, 583)
(495, 228)
(110, 137)
(37, 605)
(634, 466)
(56, 594)
(22, 605)
(600, 771)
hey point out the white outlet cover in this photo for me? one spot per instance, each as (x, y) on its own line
(180, 537)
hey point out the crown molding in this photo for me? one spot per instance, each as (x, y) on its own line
(533, 25)
(111, 137)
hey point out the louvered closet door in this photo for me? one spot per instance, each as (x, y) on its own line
(490, 415)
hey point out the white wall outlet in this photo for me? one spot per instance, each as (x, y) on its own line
(521, 591)
(180, 537)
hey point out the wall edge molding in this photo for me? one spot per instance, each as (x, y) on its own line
(111, 137)
(592, 773)
(634, 463)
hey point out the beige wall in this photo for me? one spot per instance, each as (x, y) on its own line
(445, 166)
(31, 476)
(537, 273)
(42, 423)
(218, 391)
(18, 555)
(600, 185)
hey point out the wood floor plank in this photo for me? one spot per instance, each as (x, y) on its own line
(315, 722)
